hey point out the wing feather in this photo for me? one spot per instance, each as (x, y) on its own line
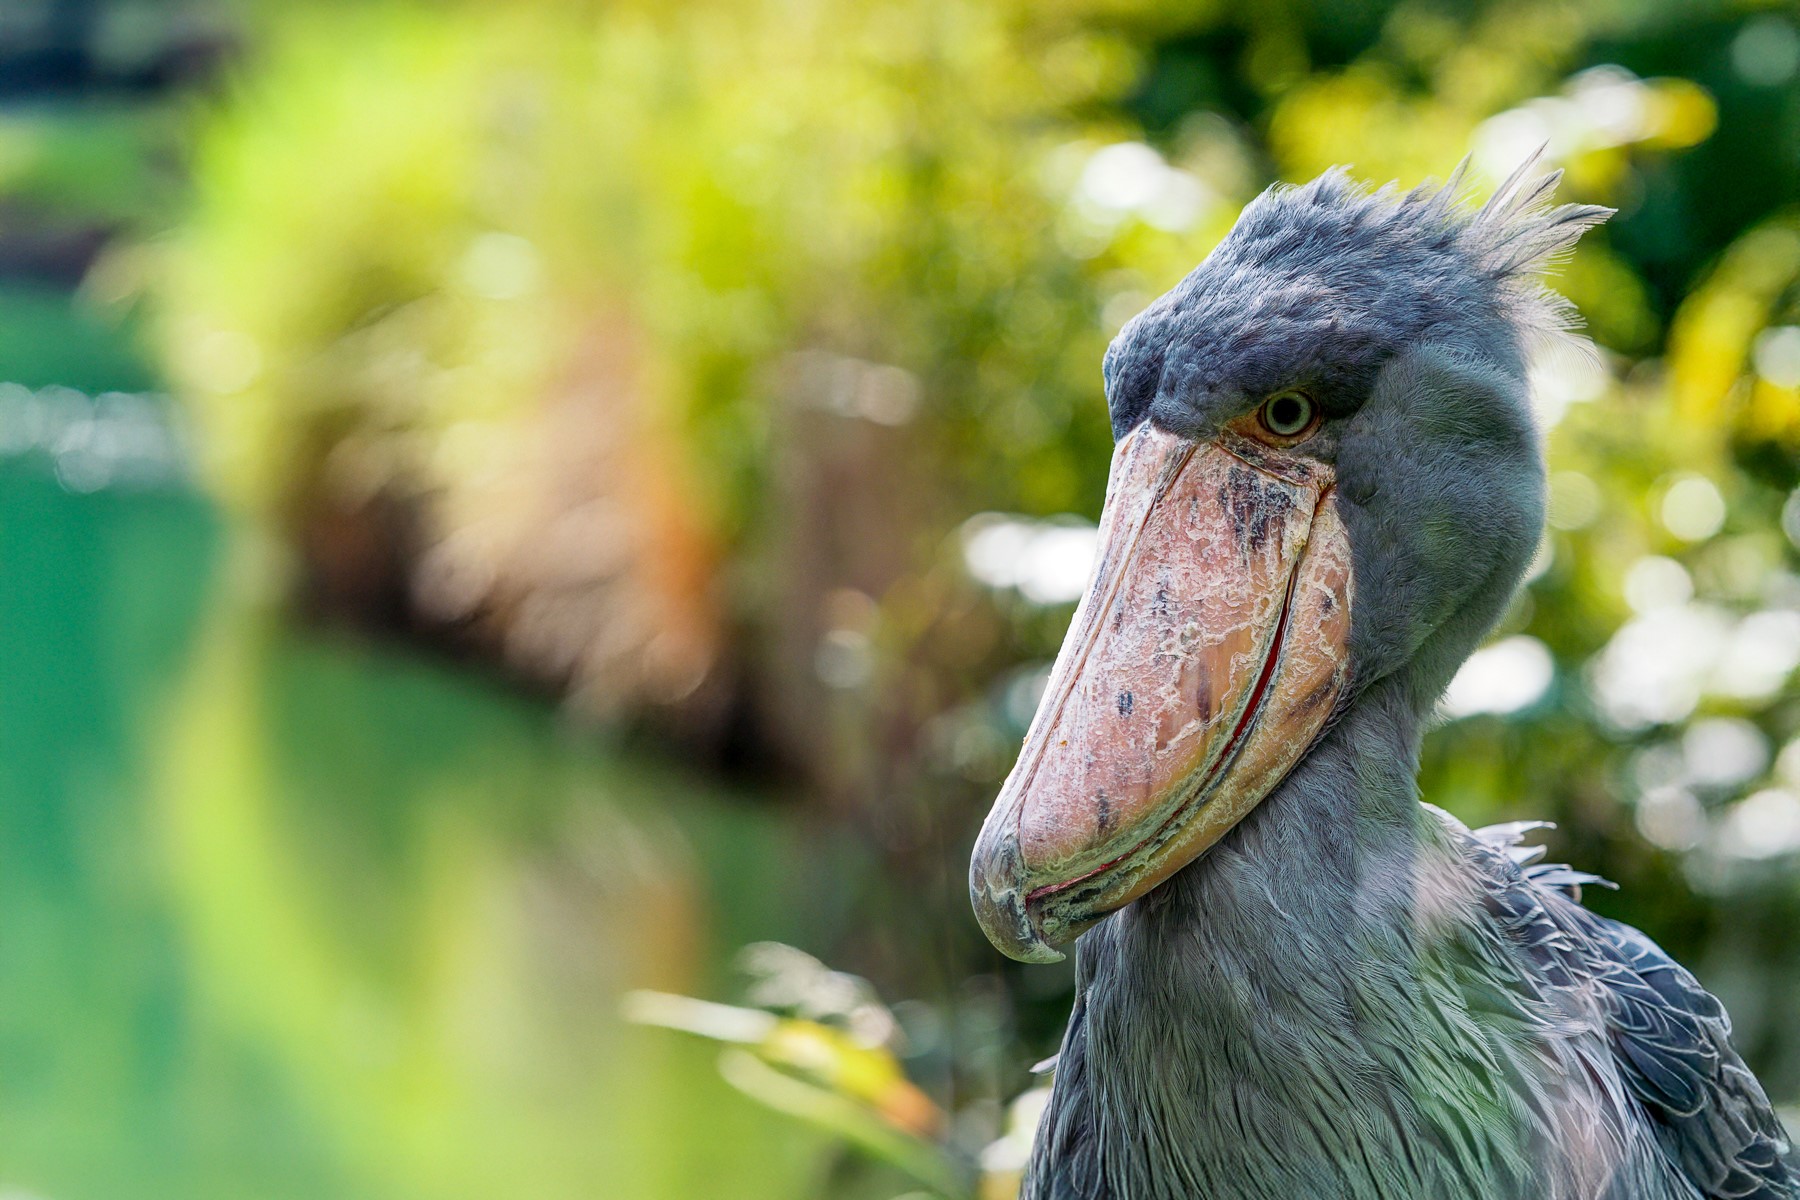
(1669, 1038)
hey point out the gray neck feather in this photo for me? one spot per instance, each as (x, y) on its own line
(1322, 864)
(1287, 1016)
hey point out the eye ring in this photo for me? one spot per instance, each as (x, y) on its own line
(1288, 414)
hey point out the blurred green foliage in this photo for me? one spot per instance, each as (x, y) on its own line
(655, 358)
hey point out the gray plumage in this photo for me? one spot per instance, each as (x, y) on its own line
(1351, 995)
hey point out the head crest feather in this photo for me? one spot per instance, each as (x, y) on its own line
(1328, 280)
(1517, 237)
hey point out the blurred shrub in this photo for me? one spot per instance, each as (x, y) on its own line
(659, 352)
(523, 320)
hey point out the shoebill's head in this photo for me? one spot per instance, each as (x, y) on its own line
(1326, 476)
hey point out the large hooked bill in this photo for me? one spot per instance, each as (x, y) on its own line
(1204, 659)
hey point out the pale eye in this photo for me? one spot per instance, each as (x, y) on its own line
(1286, 414)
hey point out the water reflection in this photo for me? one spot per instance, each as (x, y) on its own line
(288, 917)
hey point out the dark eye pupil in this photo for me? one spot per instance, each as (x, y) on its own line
(1287, 414)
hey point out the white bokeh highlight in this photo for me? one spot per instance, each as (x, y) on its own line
(1510, 675)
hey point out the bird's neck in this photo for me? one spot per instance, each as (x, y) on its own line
(1249, 978)
(1304, 861)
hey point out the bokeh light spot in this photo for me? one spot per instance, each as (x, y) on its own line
(1766, 51)
(1763, 825)
(1671, 818)
(1723, 751)
(1574, 500)
(1692, 508)
(1654, 582)
(1509, 675)
(1776, 355)
(500, 266)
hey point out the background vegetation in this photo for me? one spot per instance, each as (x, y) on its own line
(502, 506)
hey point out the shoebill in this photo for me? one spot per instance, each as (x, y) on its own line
(1294, 980)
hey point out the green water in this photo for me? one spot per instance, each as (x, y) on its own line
(284, 915)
